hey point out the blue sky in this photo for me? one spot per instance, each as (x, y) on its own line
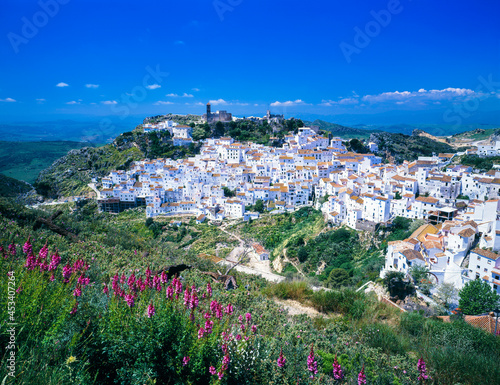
(413, 59)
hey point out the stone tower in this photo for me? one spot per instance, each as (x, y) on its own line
(209, 112)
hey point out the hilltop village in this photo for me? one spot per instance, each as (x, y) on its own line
(237, 180)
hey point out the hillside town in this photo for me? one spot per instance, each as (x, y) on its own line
(226, 180)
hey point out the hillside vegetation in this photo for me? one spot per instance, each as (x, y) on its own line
(99, 310)
(10, 187)
(25, 160)
(408, 147)
(342, 131)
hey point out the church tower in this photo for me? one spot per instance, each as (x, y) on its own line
(209, 112)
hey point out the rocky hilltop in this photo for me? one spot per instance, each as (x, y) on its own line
(71, 174)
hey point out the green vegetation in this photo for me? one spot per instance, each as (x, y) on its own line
(482, 164)
(477, 134)
(25, 160)
(97, 338)
(10, 187)
(408, 147)
(477, 297)
(341, 131)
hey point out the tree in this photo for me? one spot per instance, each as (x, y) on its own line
(219, 129)
(477, 297)
(199, 133)
(398, 285)
(259, 206)
(421, 276)
(397, 196)
(302, 254)
(338, 277)
(228, 192)
(447, 292)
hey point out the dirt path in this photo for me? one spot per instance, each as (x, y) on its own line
(285, 259)
(296, 308)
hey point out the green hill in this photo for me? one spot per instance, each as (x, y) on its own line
(25, 160)
(341, 131)
(10, 187)
(403, 147)
(71, 174)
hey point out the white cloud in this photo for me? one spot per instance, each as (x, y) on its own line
(195, 89)
(153, 86)
(288, 103)
(421, 96)
(109, 102)
(73, 102)
(218, 102)
(62, 84)
(184, 95)
(161, 102)
(343, 101)
(8, 100)
(40, 101)
(92, 85)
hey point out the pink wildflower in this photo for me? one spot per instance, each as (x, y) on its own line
(281, 359)
(151, 310)
(422, 370)
(55, 259)
(248, 317)
(362, 376)
(131, 281)
(209, 290)
(229, 309)
(209, 324)
(194, 301)
(44, 251)
(212, 371)
(169, 292)
(163, 277)
(30, 262)
(187, 297)
(12, 249)
(105, 289)
(312, 364)
(27, 248)
(129, 298)
(201, 333)
(338, 374)
(78, 291)
(66, 273)
(254, 329)
(75, 308)
(185, 360)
